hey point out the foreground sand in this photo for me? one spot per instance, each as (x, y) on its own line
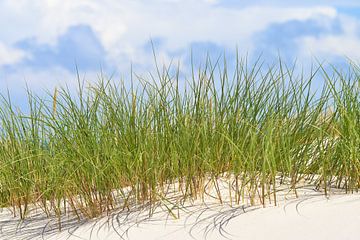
(311, 216)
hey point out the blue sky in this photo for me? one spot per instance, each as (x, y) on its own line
(41, 42)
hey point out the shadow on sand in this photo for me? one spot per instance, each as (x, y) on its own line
(198, 220)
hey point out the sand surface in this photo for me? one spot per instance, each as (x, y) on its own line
(311, 216)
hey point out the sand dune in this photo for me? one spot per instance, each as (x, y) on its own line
(311, 216)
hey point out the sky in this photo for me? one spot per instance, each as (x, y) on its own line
(43, 42)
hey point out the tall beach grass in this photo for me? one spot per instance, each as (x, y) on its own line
(110, 146)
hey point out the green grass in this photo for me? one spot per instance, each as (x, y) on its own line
(110, 146)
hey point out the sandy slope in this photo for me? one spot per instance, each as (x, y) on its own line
(311, 216)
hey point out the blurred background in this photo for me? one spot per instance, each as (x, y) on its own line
(42, 42)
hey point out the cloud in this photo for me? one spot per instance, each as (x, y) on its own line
(289, 3)
(40, 81)
(283, 38)
(78, 45)
(332, 46)
(49, 36)
(10, 55)
(123, 27)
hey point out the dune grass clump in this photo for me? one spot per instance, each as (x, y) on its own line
(111, 146)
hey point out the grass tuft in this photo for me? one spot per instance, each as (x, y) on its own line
(111, 147)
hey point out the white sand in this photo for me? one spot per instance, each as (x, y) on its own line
(311, 216)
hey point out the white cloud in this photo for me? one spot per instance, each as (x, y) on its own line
(296, 3)
(329, 46)
(10, 55)
(125, 26)
(333, 46)
(42, 82)
(37, 79)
